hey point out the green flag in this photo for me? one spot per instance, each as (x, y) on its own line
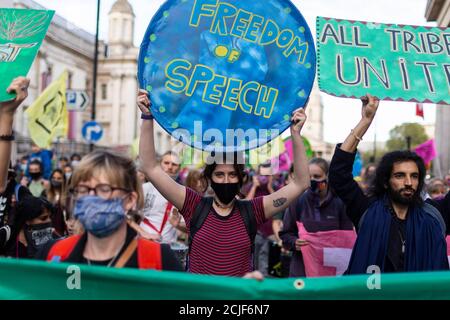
(392, 62)
(21, 34)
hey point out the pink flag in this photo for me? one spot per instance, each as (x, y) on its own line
(427, 150)
(289, 148)
(282, 162)
(328, 252)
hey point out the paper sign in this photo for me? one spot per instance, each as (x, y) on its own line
(21, 34)
(392, 62)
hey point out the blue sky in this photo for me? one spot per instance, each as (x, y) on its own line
(340, 114)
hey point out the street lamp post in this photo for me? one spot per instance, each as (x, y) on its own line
(94, 89)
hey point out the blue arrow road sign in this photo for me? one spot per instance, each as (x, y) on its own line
(92, 131)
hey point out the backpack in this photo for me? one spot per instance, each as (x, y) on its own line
(204, 207)
(148, 252)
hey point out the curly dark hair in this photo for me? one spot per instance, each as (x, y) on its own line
(384, 171)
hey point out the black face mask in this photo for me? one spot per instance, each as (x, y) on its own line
(56, 184)
(37, 235)
(317, 186)
(35, 175)
(226, 192)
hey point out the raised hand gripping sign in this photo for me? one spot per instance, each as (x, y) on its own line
(21, 34)
(226, 75)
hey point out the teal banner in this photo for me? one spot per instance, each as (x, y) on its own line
(28, 279)
(21, 34)
(392, 62)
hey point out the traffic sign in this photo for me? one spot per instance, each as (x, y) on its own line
(92, 131)
(77, 100)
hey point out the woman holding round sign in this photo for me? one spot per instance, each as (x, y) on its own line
(225, 76)
(222, 228)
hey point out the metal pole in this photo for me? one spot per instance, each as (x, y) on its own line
(94, 89)
(408, 143)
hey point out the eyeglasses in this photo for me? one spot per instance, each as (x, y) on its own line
(102, 190)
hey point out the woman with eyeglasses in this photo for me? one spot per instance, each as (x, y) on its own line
(105, 190)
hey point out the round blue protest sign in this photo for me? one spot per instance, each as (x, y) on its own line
(225, 75)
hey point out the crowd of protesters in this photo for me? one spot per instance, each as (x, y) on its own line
(223, 219)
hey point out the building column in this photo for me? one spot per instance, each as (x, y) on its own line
(128, 119)
(115, 117)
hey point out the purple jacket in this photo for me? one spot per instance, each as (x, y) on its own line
(330, 215)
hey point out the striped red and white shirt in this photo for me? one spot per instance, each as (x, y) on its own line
(222, 245)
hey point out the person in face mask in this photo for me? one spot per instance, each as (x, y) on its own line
(68, 172)
(62, 162)
(32, 225)
(56, 193)
(222, 228)
(105, 190)
(161, 220)
(44, 157)
(262, 186)
(319, 209)
(23, 165)
(19, 87)
(75, 160)
(437, 189)
(37, 183)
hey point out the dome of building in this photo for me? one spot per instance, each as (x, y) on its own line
(122, 6)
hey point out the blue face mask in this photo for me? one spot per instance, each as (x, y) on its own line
(99, 216)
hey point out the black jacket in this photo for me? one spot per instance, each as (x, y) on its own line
(341, 180)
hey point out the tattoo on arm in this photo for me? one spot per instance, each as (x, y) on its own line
(279, 202)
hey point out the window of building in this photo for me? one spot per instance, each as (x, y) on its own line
(104, 89)
(46, 78)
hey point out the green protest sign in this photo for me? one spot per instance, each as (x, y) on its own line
(21, 34)
(26, 279)
(392, 62)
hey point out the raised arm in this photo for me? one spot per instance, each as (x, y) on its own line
(278, 201)
(7, 111)
(369, 109)
(255, 185)
(171, 190)
(340, 175)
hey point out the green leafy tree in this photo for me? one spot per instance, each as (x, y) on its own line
(399, 136)
(368, 156)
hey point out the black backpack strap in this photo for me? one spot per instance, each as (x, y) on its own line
(245, 208)
(198, 218)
